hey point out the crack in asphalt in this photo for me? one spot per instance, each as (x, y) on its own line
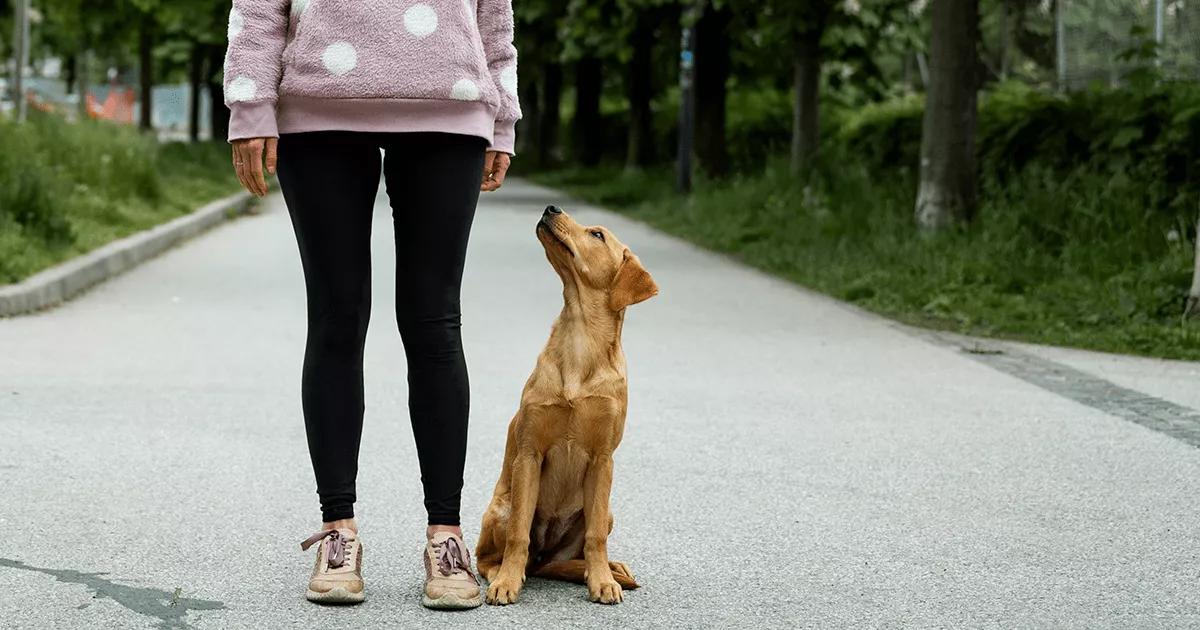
(167, 607)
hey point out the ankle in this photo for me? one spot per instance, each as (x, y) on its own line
(433, 529)
(342, 523)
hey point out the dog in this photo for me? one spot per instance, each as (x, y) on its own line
(549, 515)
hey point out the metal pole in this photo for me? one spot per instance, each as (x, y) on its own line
(687, 97)
(20, 56)
(1158, 21)
(1060, 44)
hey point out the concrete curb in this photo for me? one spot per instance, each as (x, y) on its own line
(64, 281)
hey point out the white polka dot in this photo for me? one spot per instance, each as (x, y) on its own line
(465, 90)
(299, 7)
(236, 22)
(241, 89)
(508, 80)
(420, 20)
(340, 58)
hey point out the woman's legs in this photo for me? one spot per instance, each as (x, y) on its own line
(330, 180)
(433, 182)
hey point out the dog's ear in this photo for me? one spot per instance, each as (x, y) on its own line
(631, 285)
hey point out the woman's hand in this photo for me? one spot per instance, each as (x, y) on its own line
(495, 167)
(248, 156)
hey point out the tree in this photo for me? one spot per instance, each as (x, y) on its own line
(639, 89)
(712, 78)
(146, 34)
(1193, 302)
(947, 190)
(644, 23)
(857, 37)
(539, 23)
(806, 22)
(588, 43)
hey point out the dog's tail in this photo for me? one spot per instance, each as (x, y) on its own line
(573, 571)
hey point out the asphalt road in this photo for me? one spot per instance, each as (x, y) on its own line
(788, 461)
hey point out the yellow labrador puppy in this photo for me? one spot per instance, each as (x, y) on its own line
(549, 515)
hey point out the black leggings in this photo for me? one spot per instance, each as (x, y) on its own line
(330, 181)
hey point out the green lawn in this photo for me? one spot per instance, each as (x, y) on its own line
(1052, 260)
(68, 188)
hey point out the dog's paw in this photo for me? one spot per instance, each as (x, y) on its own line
(605, 591)
(503, 591)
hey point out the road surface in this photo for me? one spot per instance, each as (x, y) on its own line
(788, 462)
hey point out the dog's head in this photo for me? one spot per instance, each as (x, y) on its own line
(593, 262)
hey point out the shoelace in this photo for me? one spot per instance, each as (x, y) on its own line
(452, 557)
(335, 546)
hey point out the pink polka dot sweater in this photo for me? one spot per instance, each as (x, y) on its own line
(372, 65)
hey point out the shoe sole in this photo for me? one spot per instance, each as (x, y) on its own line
(450, 601)
(338, 595)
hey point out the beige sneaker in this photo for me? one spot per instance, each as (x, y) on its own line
(337, 575)
(449, 581)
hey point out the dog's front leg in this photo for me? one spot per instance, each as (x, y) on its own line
(597, 486)
(526, 474)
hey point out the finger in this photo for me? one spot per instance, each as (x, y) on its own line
(244, 168)
(501, 170)
(489, 160)
(272, 154)
(239, 166)
(256, 170)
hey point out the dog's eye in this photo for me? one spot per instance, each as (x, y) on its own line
(598, 234)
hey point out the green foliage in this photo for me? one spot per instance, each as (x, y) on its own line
(68, 188)
(885, 134)
(1083, 237)
(1150, 135)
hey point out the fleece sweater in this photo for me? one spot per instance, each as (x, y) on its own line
(372, 65)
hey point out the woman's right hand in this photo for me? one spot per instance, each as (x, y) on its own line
(248, 158)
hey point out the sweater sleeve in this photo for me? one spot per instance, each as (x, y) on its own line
(254, 65)
(495, 18)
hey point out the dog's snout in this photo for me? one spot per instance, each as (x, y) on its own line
(552, 210)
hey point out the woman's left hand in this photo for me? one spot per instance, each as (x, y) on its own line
(495, 167)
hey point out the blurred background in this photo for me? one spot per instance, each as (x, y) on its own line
(1048, 192)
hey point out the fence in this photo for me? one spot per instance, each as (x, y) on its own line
(1102, 40)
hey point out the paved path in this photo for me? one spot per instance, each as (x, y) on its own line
(788, 461)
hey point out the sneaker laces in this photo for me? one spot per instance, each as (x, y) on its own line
(335, 546)
(452, 557)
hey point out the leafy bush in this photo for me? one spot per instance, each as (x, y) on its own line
(1149, 133)
(66, 188)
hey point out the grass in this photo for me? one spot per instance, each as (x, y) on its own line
(1061, 260)
(68, 188)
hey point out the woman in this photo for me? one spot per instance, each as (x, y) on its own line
(327, 84)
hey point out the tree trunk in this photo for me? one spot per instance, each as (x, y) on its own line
(712, 75)
(219, 114)
(146, 70)
(196, 84)
(948, 175)
(529, 128)
(1193, 303)
(806, 112)
(72, 74)
(551, 110)
(639, 85)
(587, 137)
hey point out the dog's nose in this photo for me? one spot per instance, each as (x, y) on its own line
(551, 210)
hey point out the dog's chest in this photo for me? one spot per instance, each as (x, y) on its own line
(563, 468)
